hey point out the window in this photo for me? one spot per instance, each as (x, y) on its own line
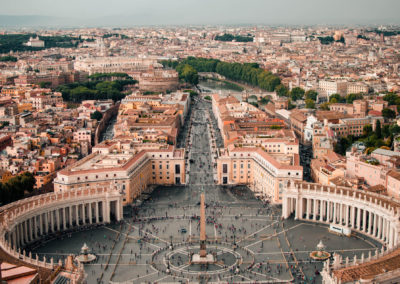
(167, 167)
(160, 166)
(224, 168)
(234, 166)
(153, 167)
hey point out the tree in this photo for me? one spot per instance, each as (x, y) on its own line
(378, 129)
(311, 94)
(342, 145)
(394, 129)
(339, 98)
(324, 106)
(188, 74)
(15, 188)
(352, 97)
(291, 105)
(45, 84)
(388, 113)
(8, 58)
(96, 115)
(310, 103)
(367, 130)
(297, 93)
(391, 98)
(385, 131)
(265, 100)
(281, 90)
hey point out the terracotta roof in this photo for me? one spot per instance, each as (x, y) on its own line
(383, 264)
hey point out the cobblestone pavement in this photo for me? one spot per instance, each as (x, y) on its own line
(250, 241)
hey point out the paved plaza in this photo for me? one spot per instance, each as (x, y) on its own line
(248, 238)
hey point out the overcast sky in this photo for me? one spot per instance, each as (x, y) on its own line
(137, 12)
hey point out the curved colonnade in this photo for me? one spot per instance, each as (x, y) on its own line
(370, 214)
(367, 213)
(29, 220)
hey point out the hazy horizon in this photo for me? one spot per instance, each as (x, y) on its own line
(198, 12)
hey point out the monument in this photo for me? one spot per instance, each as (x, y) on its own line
(202, 257)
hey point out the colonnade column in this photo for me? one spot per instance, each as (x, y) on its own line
(97, 211)
(375, 225)
(14, 234)
(41, 224)
(379, 227)
(77, 214)
(26, 232)
(334, 212)
(70, 216)
(315, 209)
(370, 219)
(46, 222)
(84, 213)
(364, 220)
(285, 207)
(90, 213)
(57, 211)
(64, 218)
(36, 227)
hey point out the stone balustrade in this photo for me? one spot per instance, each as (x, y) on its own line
(28, 220)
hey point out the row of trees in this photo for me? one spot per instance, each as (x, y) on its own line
(231, 37)
(109, 76)
(249, 73)
(8, 58)
(16, 187)
(350, 98)
(329, 39)
(94, 90)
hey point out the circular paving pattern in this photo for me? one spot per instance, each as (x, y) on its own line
(228, 259)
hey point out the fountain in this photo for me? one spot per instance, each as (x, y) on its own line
(320, 253)
(85, 256)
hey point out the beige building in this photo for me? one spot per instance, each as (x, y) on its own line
(328, 88)
(131, 171)
(357, 88)
(265, 174)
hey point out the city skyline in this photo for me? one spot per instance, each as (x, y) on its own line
(174, 12)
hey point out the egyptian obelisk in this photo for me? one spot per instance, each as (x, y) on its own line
(203, 252)
(202, 257)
